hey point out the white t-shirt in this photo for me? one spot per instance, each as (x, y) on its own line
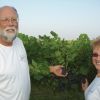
(14, 72)
(93, 91)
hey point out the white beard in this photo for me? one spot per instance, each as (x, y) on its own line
(9, 34)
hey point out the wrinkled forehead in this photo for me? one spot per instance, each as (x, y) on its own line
(8, 11)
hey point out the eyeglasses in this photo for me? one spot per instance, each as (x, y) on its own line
(6, 19)
(95, 55)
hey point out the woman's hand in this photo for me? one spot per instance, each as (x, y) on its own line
(85, 85)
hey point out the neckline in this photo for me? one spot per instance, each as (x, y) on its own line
(3, 46)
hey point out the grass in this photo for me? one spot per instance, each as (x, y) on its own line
(42, 92)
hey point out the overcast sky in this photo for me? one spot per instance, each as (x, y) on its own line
(68, 18)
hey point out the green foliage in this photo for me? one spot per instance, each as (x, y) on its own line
(82, 54)
(44, 51)
(74, 55)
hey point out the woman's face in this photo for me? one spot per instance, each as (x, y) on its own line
(96, 58)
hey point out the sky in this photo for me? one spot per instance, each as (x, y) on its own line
(68, 18)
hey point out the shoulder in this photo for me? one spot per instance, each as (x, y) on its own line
(18, 42)
(93, 91)
(96, 86)
(18, 45)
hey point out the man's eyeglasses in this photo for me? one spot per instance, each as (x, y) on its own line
(6, 19)
(95, 55)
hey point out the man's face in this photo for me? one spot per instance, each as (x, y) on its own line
(96, 58)
(8, 24)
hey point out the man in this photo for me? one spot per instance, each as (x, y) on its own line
(14, 70)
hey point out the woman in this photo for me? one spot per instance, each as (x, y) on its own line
(92, 92)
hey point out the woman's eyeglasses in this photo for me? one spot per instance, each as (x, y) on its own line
(95, 55)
